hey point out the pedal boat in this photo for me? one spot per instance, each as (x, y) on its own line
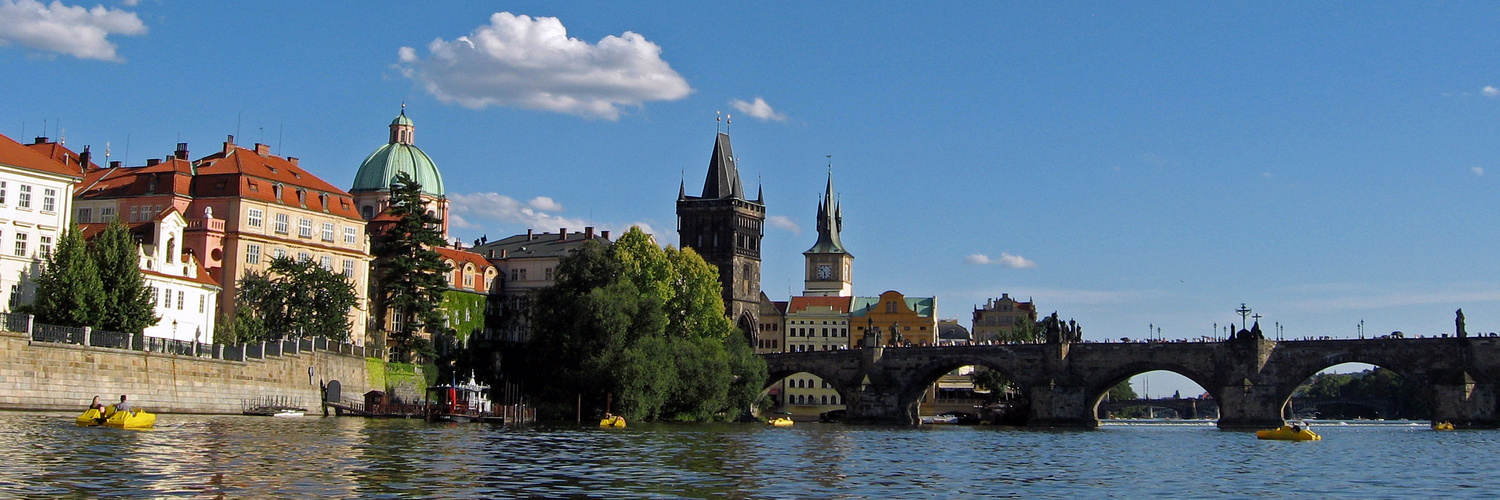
(138, 419)
(613, 421)
(779, 422)
(1285, 433)
(1442, 426)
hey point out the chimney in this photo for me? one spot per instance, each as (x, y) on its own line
(604, 234)
(262, 149)
(504, 253)
(84, 157)
(41, 139)
(562, 234)
(182, 152)
(492, 253)
(114, 164)
(588, 232)
(530, 235)
(229, 145)
(292, 159)
(152, 162)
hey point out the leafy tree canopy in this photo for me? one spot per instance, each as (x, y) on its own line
(295, 298)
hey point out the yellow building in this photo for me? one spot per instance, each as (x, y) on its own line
(901, 320)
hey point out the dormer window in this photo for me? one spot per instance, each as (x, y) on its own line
(277, 189)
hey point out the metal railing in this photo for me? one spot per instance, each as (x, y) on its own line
(58, 334)
(85, 336)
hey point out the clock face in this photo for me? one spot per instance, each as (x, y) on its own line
(825, 271)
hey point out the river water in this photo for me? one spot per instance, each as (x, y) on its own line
(46, 455)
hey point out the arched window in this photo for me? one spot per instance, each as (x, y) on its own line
(368, 212)
(824, 399)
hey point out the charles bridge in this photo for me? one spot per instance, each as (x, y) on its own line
(1250, 379)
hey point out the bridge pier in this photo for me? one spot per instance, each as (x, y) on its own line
(1465, 403)
(1065, 406)
(872, 406)
(1250, 406)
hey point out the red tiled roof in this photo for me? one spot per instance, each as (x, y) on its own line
(16, 154)
(462, 256)
(840, 304)
(256, 174)
(61, 154)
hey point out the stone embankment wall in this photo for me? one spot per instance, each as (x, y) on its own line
(50, 376)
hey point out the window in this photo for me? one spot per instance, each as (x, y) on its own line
(328, 232)
(549, 274)
(515, 274)
(304, 228)
(469, 277)
(257, 218)
(523, 274)
(49, 200)
(350, 235)
(326, 262)
(202, 302)
(20, 244)
(166, 299)
(348, 269)
(180, 300)
(84, 214)
(2, 199)
(281, 253)
(281, 222)
(252, 254)
(106, 214)
(23, 200)
(44, 246)
(303, 256)
(135, 214)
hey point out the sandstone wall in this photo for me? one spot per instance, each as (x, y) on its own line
(49, 376)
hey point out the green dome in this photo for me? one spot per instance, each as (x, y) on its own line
(398, 155)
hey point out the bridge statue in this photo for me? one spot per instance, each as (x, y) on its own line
(1458, 324)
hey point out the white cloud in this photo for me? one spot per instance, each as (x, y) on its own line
(1490, 91)
(75, 31)
(545, 203)
(784, 222)
(532, 63)
(1006, 260)
(479, 213)
(1479, 171)
(130, 3)
(758, 109)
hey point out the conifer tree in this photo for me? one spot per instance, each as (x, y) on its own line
(129, 305)
(68, 289)
(410, 274)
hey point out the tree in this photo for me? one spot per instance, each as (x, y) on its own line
(1122, 392)
(294, 298)
(129, 305)
(68, 289)
(410, 274)
(993, 381)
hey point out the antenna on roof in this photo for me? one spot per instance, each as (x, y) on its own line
(728, 122)
(127, 149)
(718, 117)
(279, 129)
(237, 118)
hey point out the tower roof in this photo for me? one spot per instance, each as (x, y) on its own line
(830, 223)
(723, 179)
(399, 155)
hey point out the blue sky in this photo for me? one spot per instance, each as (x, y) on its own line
(1124, 165)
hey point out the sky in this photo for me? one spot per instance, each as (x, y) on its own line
(1131, 166)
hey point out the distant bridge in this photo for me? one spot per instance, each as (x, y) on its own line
(1195, 408)
(1250, 380)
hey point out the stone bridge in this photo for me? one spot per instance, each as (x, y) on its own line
(1251, 380)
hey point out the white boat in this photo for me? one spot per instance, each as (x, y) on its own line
(288, 412)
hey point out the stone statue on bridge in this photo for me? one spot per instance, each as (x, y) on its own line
(1458, 324)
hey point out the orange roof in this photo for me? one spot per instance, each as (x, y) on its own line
(258, 172)
(462, 256)
(840, 304)
(16, 154)
(106, 183)
(59, 153)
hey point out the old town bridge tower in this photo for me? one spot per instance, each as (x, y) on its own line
(726, 228)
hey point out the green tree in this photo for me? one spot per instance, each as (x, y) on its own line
(68, 289)
(993, 381)
(295, 298)
(410, 275)
(129, 305)
(1122, 392)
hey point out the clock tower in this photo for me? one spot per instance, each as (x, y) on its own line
(829, 266)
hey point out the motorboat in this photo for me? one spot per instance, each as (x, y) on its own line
(612, 421)
(468, 402)
(1289, 433)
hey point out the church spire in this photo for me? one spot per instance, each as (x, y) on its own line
(830, 221)
(723, 180)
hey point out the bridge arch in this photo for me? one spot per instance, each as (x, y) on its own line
(1415, 379)
(922, 377)
(1099, 387)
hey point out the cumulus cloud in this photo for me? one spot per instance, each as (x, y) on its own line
(784, 222)
(545, 203)
(1005, 260)
(758, 109)
(532, 63)
(75, 31)
(1490, 91)
(1479, 171)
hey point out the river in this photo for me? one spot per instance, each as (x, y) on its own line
(45, 454)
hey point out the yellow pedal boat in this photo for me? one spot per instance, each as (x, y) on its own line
(1442, 426)
(779, 422)
(612, 421)
(1286, 433)
(138, 419)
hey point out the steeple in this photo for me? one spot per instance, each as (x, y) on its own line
(403, 131)
(830, 222)
(723, 179)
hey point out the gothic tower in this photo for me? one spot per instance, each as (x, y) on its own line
(829, 266)
(726, 229)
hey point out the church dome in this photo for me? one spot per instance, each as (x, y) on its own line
(398, 155)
